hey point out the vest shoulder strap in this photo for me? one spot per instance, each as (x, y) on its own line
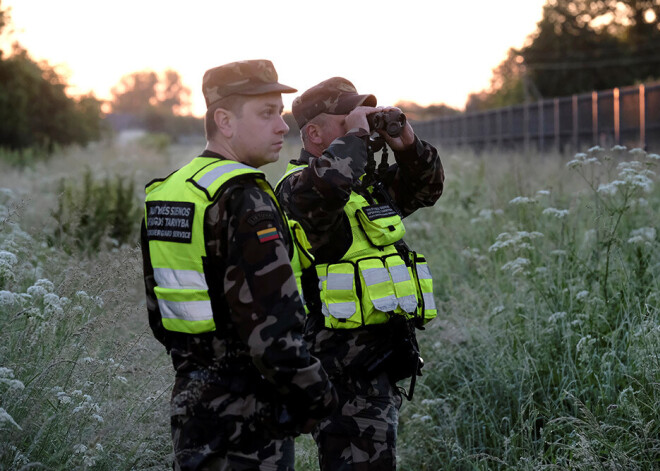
(291, 168)
(211, 179)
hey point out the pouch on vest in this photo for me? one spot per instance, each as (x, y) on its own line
(378, 291)
(341, 304)
(381, 224)
(425, 282)
(405, 288)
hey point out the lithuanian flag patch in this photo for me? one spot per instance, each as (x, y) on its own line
(268, 234)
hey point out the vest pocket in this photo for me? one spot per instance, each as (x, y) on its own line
(381, 224)
(425, 283)
(404, 286)
(378, 291)
(340, 302)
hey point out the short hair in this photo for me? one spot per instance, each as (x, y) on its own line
(319, 120)
(233, 103)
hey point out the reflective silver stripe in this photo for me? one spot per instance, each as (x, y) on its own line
(388, 303)
(373, 276)
(321, 280)
(208, 179)
(429, 301)
(342, 310)
(408, 303)
(337, 281)
(423, 272)
(399, 273)
(187, 311)
(324, 310)
(179, 279)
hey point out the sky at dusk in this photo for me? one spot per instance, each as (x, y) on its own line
(430, 51)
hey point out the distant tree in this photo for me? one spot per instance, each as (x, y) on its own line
(35, 110)
(139, 92)
(579, 46)
(417, 112)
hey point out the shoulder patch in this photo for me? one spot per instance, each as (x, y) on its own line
(268, 235)
(170, 221)
(260, 216)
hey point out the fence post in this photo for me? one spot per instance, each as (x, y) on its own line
(594, 118)
(541, 127)
(499, 128)
(526, 127)
(556, 124)
(642, 117)
(617, 117)
(575, 123)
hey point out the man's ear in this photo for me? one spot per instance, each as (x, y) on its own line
(314, 133)
(225, 121)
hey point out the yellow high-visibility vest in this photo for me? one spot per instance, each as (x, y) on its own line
(373, 280)
(174, 216)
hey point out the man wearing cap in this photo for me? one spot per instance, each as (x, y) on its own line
(221, 294)
(367, 291)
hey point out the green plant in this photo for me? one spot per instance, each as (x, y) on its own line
(95, 213)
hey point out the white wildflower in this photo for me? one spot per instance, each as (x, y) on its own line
(558, 213)
(63, 398)
(582, 295)
(643, 235)
(5, 418)
(121, 379)
(45, 284)
(516, 266)
(653, 156)
(79, 448)
(541, 270)
(558, 252)
(580, 156)
(497, 310)
(543, 193)
(557, 316)
(584, 342)
(98, 301)
(618, 148)
(593, 149)
(575, 163)
(8, 258)
(520, 200)
(98, 447)
(637, 152)
(610, 188)
(7, 298)
(98, 418)
(82, 295)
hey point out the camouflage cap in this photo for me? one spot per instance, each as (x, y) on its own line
(253, 77)
(333, 96)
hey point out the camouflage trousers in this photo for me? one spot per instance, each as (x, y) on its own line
(361, 433)
(217, 429)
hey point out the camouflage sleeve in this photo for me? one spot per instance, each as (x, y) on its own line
(316, 195)
(417, 179)
(265, 306)
(153, 311)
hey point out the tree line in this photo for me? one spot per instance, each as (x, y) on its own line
(578, 46)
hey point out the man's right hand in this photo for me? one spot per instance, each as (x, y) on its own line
(358, 117)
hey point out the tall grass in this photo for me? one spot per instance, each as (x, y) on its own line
(544, 355)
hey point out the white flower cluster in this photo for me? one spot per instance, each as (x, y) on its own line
(517, 266)
(7, 377)
(517, 241)
(558, 213)
(632, 176)
(581, 159)
(643, 235)
(90, 455)
(7, 262)
(486, 215)
(5, 418)
(522, 200)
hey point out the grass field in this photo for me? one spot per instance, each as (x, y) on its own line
(545, 354)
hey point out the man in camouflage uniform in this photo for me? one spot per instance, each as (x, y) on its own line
(245, 382)
(332, 116)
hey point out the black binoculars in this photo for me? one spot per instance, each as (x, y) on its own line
(390, 121)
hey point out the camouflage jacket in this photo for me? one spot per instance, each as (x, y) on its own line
(259, 317)
(316, 197)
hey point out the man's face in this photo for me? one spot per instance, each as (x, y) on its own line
(331, 127)
(260, 130)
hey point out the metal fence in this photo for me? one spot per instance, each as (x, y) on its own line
(627, 116)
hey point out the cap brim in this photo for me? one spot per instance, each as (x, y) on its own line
(270, 88)
(348, 103)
